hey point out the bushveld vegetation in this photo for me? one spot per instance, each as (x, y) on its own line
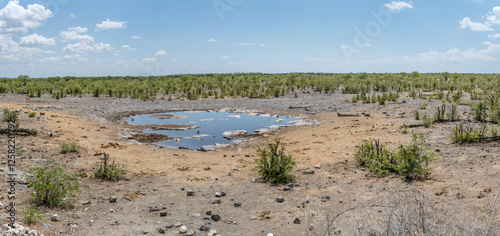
(410, 160)
(274, 164)
(371, 87)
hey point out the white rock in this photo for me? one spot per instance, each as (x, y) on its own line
(182, 230)
(234, 132)
(261, 131)
(270, 234)
(235, 116)
(212, 232)
(317, 166)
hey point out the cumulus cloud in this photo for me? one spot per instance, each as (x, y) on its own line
(492, 18)
(149, 59)
(136, 37)
(48, 59)
(15, 19)
(108, 24)
(84, 47)
(128, 47)
(72, 15)
(74, 34)
(224, 57)
(398, 6)
(36, 40)
(160, 53)
(494, 36)
(212, 40)
(474, 26)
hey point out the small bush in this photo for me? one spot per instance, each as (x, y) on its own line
(417, 115)
(107, 171)
(439, 115)
(410, 161)
(453, 114)
(72, 147)
(32, 114)
(494, 132)
(51, 185)
(274, 164)
(466, 133)
(427, 121)
(9, 116)
(480, 111)
(31, 216)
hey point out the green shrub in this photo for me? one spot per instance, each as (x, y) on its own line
(32, 114)
(439, 115)
(427, 121)
(480, 111)
(494, 132)
(51, 185)
(274, 164)
(108, 171)
(423, 106)
(453, 114)
(32, 216)
(466, 133)
(9, 116)
(72, 147)
(417, 115)
(410, 161)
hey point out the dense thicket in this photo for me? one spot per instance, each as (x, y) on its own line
(255, 85)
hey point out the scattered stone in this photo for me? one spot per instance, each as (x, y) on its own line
(190, 232)
(296, 221)
(153, 208)
(215, 218)
(218, 194)
(163, 213)
(113, 199)
(280, 199)
(254, 180)
(370, 186)
(177, 224)
(286, 188)
(190, 192)
(437, 150)
(212, 232)
(55, 218)
(310, 172)
(349, 182)
(237, 204)
(215, 200)
(169, 226)
(317, 166)
(182, 230)
(325, 198)
(253, 217)
(161, 230)
(208, 213)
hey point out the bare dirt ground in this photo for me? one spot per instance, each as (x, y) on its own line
(463, 184)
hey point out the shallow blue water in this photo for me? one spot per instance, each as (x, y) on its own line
(211, 131)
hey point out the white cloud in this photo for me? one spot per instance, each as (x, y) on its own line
(236, 63)
(47, 59)
(160, 53)
(128, 47)
(398, 6)
(136, 37)
(84, 47)
(263, 45)
(494, 36)
(74, 34)
(487, 43)
(73, 57)
(12, 51)
(474, 26)
(494, 17)
(36, 40)
(15, 19)
(149, 59)
(72, 15)
(224, 57)
(106, 25)
(344, 47)
(245, 44)
(212, 40)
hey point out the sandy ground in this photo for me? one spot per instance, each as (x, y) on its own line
(465, 175)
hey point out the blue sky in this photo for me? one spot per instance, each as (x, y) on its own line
(99, 38)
